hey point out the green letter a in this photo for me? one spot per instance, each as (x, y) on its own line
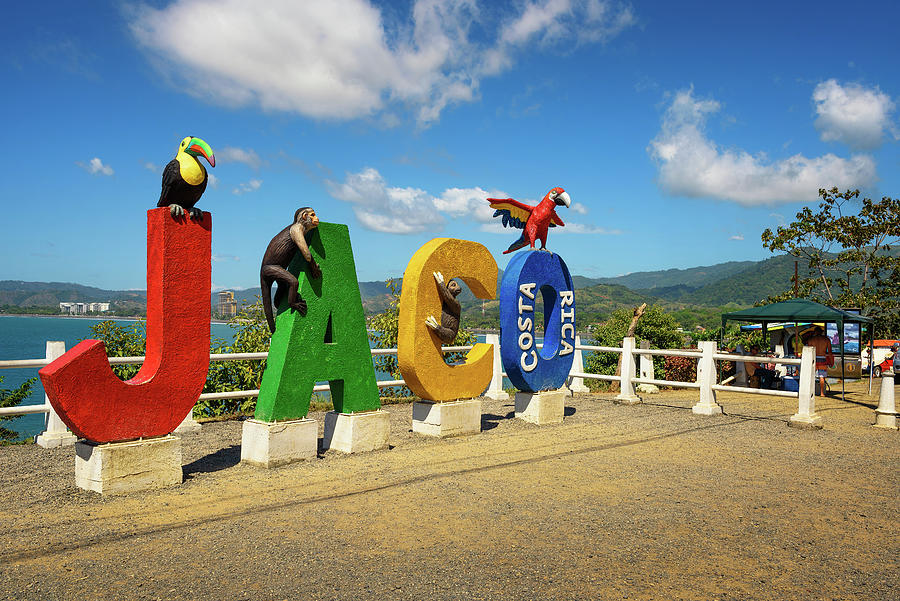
(328, 343)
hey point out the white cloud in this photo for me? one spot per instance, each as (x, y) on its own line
(382, 208)
(392, 210)
(580, 228)
(213, 180)
(554, 21)
(96, 167)
(471, 202)
(222, 258)
(737, 237)
(151, 166)
(690, 164)
(579, 208)
(245, 187)
(229, 154)
(346, 59)
(852, 114)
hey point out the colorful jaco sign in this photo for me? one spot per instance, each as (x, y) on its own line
(328, 343)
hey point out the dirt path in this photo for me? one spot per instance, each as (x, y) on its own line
(640, 502)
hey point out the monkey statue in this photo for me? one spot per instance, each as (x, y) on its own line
(278, 256)
(450, 310)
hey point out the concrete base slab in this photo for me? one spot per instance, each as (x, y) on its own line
(806, 422)
(357, 432)
(540, 407)
(456, 418)
(270, 444)
(885, 420)
(188, 425)
(51, 440)
(699, 409)
(627, 399)
(497, 395)
(648, 388)
(118, 468)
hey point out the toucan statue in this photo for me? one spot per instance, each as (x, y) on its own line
(534, 221)
(184, 178)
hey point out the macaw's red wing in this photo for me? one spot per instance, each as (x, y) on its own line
(555, 220)
(513, 212)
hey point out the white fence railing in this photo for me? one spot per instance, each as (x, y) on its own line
(705, 355)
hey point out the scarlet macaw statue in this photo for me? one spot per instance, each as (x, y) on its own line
(535, 221)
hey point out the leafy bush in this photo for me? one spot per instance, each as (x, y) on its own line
(680, 369)
(122, 341)
(11, 398)
(251, 335)
(655, 325)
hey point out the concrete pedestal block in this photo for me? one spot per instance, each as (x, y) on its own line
(456, 418)
(577, 386)
(188, 425)
(540, 407)
(806, 422)
(497, 395)
(117, 468)
(270, 444)
(885, 420)
(357, 432)
(51, 440)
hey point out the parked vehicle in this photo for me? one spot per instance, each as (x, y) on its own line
(883, 357)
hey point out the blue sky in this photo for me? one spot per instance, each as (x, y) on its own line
(680, 130)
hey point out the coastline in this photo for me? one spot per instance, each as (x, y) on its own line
(100, 317)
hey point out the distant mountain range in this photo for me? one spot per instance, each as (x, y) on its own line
(732, 284)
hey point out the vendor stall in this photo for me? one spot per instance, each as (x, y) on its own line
(798, 311)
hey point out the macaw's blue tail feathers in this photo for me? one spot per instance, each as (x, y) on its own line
(522, 241)
(508, 220)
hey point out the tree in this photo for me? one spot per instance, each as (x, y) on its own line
(251, 335)
(655, 325)
(122, 341)
(383, 332)
(847, 246)
(11, 398)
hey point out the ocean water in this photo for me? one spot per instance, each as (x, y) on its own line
(25, 337)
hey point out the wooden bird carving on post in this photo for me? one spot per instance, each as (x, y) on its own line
(534, 221)
(184, 178)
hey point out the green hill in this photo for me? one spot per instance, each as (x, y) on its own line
(695, 277)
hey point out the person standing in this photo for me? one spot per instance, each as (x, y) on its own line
(824, 356)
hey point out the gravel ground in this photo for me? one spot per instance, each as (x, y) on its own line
(617, 502)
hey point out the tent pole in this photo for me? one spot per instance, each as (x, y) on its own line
(840, 325)
(871, 353)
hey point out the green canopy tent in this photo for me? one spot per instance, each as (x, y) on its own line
(801, 310)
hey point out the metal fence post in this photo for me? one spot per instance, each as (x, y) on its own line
(495, 389)
(626, 385)
(706, 377)
(55, 433)
(806, 411)
(576, 384)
